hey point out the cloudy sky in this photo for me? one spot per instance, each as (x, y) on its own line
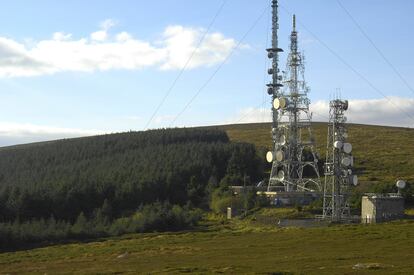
(79, 68)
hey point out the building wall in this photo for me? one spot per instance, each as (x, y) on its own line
(389, 209)
(367, 210)
(381, 208)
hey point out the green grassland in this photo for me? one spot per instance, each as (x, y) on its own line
(382, 154)
(232, 248)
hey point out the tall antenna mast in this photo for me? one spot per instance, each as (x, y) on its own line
(292, 152)
(338, 166)
(273, 53)
(275, 85)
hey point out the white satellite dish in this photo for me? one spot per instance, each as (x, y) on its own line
(280, 156)
(345, 135)
(269, 157)
(276, 104)
(280, 103)
(346, 161)
(349, 171)
(282, 140)
(281, 175)
(355, 180)
(347, 148)
(400, 184)
(338, 144)
(283, 102)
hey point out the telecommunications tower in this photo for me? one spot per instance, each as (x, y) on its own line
(293, 158)
(338, 167)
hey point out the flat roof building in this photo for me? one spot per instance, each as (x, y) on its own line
(378, 208)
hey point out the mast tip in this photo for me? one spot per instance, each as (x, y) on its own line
(294, 22)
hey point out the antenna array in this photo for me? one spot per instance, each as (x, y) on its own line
(338, 167)
(294, 161)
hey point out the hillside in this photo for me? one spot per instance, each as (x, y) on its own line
(112, 184)
(382, 154)
(231, 249)
(215, 245)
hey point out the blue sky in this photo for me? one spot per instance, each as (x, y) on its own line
(77, 68)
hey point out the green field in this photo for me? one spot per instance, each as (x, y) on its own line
(382, 155)
(232, 248)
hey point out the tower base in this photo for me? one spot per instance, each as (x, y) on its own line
(290, 198)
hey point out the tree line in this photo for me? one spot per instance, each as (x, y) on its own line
(118, 174)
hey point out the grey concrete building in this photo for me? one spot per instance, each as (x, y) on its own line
(378, 208)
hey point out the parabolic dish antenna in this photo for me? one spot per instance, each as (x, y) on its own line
(269, 157)
(346, 105)
(346, 161)
(355, 180)
(279, 103)
(282, 140)
(276, 104)
(347, 148)
(338, 144)
(280, 156)
(400, 184)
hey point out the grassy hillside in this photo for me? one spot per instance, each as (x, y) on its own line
(232, 249)
(245, 246)
(382, 154)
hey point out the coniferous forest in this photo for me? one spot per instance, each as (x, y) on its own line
(119, 183)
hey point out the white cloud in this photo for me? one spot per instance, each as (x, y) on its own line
(101, 51)
(107, 24)
(251, 115)
(102, 34)
(361, 111)
(99, 36)
(179, 44)
(394, 111)
(123, 36)
(61, 36)
(16, 133)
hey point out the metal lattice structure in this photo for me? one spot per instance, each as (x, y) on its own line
(338, 166)
(294, 160)
(273, 53)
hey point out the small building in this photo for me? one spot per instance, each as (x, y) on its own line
(378, 208)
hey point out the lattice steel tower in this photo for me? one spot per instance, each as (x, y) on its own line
(339, 161)
(294, 160)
